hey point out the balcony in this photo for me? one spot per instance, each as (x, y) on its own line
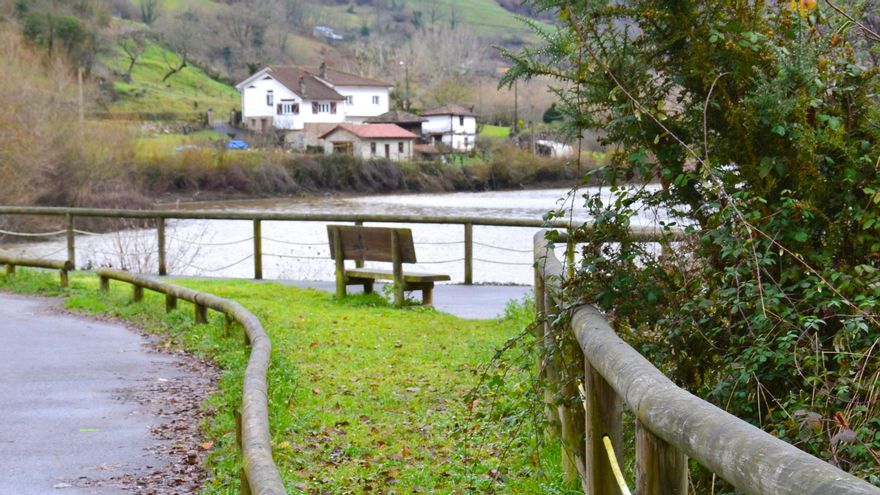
(286, 122)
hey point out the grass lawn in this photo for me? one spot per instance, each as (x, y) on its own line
(364, 398)
(494, 131)
(167, 144)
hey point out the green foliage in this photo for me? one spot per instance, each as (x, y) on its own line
(67, 32)
(759, 125)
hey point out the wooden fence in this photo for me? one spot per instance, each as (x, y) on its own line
(671, 424)
(160, 217)
(259, 475)
(62, 266)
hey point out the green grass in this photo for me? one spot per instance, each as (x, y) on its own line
(494, 131)
(363, 397)
(174, 6)
(167, 144)
(190, 90)
(485, 17)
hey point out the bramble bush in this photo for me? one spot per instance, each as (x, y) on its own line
(758, 121)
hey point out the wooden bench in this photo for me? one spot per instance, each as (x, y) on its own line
(391, 245)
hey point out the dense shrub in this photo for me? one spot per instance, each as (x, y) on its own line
(760, 123)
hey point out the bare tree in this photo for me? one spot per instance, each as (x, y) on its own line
(179, 36)
(442, 73)
(132, 47)
(292, 16)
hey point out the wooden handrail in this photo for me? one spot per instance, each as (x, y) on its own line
(672, 423)
(160, 216)
(259, 472)
(62, 266)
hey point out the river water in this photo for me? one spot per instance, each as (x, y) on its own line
(299, 250)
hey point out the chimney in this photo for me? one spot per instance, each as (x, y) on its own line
(302, 86)
(323, 71)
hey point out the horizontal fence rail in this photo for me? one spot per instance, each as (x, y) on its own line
(62, 266)
(671, 423)
(161, 216)
(259, 472)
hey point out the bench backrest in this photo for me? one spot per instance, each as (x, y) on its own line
(370, 243)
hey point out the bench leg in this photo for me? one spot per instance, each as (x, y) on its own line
(428, 295)
(340, 287)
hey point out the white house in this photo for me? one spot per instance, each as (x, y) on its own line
(370, 141)
(290, 98)
(453, 125)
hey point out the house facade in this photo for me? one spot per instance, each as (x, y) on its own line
(290, 98)
(452, 125)
(370, 141)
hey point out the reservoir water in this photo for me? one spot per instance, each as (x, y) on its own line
(299, 250)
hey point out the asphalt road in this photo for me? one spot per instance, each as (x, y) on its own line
(69, 420)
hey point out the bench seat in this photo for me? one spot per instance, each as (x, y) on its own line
(380, 274)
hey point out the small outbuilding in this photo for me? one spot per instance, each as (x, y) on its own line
(370, 141)
(452, 125)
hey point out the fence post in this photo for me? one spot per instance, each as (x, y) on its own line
(570, 407)
(71, 248)
(137, 293)
(160, 234)
(661, 469)
(201, 314)
(549, 363)
(468, 254)
(258, 249)
(603, 417)
(170, 303)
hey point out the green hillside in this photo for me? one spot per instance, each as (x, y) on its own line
(485, 17)
(190, 90)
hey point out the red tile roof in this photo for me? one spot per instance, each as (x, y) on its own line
(373, 131)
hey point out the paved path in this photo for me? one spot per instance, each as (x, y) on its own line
(466, 301)
(70, 422)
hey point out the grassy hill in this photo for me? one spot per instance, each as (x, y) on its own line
(486, 17)
(190, 90)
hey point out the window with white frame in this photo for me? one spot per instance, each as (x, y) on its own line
(320, 107)
(270, 98)
(288, 108)
(375, 100)
(349, 100)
